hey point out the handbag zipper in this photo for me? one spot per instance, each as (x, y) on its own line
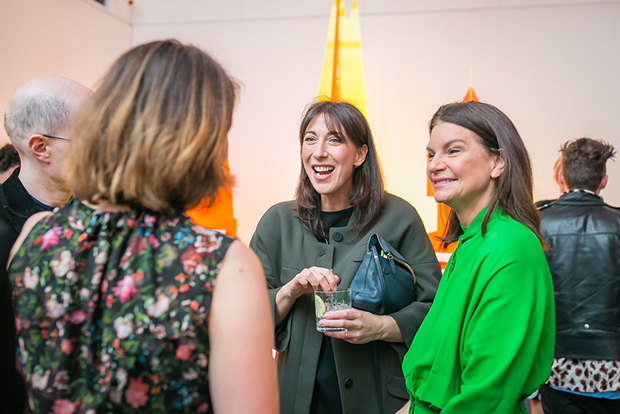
(402, 263)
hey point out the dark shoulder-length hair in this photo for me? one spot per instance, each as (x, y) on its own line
(498, 135)
(346, 122)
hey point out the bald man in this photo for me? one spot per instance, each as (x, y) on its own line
(37, 121)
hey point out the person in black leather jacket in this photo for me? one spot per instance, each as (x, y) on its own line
(584, 258)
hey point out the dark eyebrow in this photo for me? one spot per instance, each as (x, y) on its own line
(329, 133)
(449, 143)
(452, 141)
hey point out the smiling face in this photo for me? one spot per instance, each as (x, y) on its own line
(329, 159)
(461, 171)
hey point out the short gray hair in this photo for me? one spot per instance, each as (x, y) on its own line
(40, 111)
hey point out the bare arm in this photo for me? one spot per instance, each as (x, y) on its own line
(242, 371)
(405, 408)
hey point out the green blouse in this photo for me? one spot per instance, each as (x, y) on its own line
(487, 341)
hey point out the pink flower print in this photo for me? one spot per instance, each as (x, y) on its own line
(202, 360)
(78, 316)
(101, 257)
(208, 242)
(149, 219)
(63, 407)
(66, 347)
(63, 264)
(190, 259)
(54, 309)
(50, 238)
(30, 280)
(184, 352)
(204, 407)
(62, 380)
(124, 288)
(190, 376)
(153, 241)
(159, 306)
(39, 381)
(123, 327)
(136, 394)
(158, 330)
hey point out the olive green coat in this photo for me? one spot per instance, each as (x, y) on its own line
(285, 248)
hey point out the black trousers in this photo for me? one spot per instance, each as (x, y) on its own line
(560, 402)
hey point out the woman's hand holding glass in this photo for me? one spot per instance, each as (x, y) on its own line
(311, 279)
(361, 326)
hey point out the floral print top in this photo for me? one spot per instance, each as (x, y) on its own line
(112, 311)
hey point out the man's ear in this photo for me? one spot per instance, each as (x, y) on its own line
(498, 167)
(38, 147)
(602, 184)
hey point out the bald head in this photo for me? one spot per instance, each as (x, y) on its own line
(42, 106)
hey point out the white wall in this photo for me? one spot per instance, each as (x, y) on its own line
(553, 66)
(77, 39)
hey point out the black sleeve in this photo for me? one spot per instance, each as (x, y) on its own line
(12, 386)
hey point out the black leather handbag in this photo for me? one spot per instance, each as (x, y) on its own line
(384, 282)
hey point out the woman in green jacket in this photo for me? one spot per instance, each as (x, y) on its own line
(487, 342)
(317, 242)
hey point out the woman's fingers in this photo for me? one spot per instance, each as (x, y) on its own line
(312, 279)
(321, 278)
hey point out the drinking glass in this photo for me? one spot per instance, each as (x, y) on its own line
(330, 301)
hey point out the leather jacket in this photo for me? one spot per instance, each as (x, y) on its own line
(584, 236)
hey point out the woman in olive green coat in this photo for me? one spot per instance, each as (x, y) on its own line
(317, 242)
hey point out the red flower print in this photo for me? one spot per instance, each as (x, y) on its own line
(66, 347)
(184, 352)
(137, 393)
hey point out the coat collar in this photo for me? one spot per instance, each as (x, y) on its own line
(581, 199)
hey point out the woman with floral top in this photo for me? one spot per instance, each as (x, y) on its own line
(122, 304)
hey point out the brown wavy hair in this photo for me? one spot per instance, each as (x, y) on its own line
(584, 162)
(514, 187)
(154, 135)
(346, 122)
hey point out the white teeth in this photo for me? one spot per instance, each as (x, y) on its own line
(323, 169)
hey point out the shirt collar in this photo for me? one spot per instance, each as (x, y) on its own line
(475, 226)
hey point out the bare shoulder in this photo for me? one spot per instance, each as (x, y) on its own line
(240, 262)
(28, 226)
